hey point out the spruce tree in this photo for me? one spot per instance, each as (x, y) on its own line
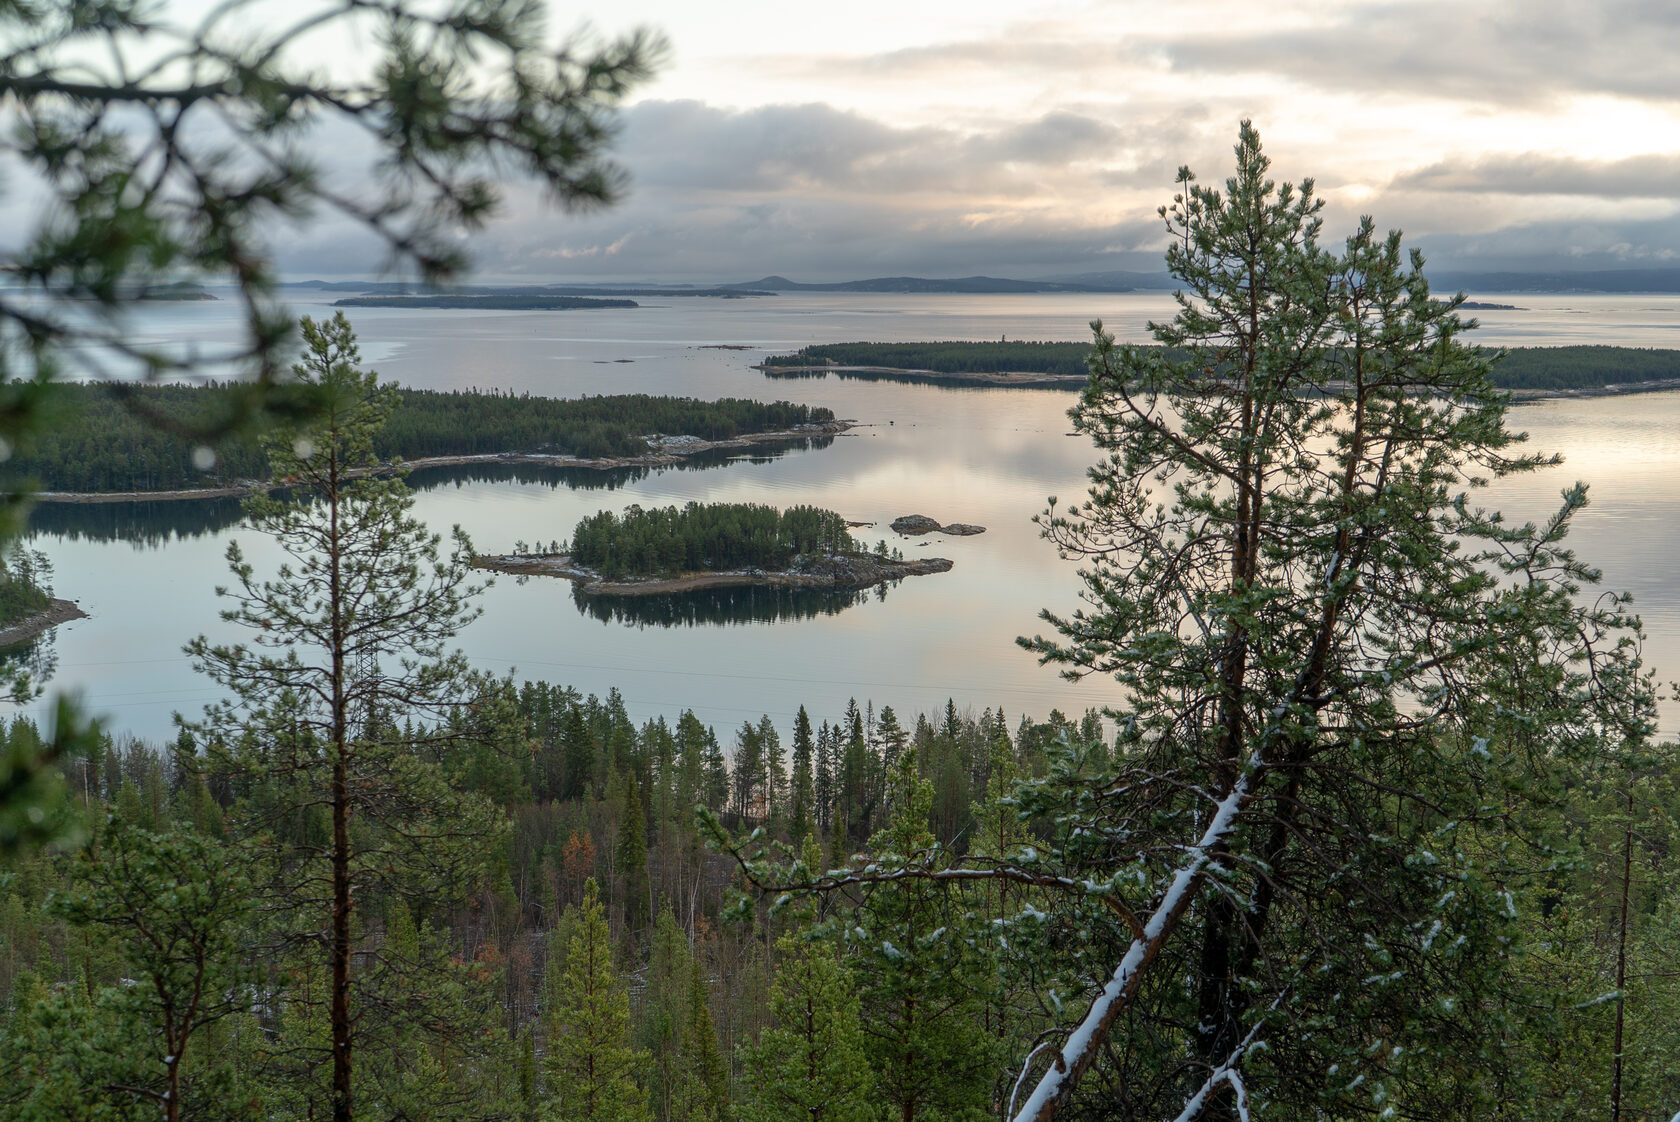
(590, 1066)
(801, 788)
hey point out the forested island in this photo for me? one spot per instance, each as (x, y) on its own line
(108, 440)
(1064, 365)
(27, 604)
(679, 549)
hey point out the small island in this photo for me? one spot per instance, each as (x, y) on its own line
(669, 550)
(27, 604)
(912, 524)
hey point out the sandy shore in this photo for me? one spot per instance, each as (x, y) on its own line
(668, 450)
(60, 611)
(850, 575)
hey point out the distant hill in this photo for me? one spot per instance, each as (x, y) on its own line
(929, 284)
(1599, 280)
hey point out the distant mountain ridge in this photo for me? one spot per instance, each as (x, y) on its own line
(1597, 280)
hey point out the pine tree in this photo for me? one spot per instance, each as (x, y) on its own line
(811, 1066)
(662, 1021)
(590, 1066)
(1326, 656)
(354, 626)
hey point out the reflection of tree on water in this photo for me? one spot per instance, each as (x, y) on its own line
(707, 606)
(25, 667)
(603, 479)
(145, 524)
(155, 524)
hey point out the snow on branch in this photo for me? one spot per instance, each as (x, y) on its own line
(1083, 1043)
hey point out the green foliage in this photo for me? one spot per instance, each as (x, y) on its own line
(142, 439)
(1525, 368)
(337, 803)
(945, 357)
(701, 537)
(176, 913)
(590, 1067)
(920, 976)
(1315, 634)
(449, 104)
(25, 583)
(812, 1065)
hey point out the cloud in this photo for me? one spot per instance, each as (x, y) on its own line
(1539, 173)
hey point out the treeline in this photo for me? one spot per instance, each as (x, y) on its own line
(25, 584)
(700, 537)
(946, 357)
(604, 937)
(102, 443)
(1540, 368)
(598, 953)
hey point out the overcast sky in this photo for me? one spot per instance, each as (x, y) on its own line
(833, 140)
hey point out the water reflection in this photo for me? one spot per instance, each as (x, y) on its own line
(741, 605)
(154, 524)
(150, 525)
(30, 664)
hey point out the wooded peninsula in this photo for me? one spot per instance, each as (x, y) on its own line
(1522, 368)
(138, 438)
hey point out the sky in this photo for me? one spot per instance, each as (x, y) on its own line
(953, 137)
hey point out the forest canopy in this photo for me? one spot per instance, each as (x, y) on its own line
(700, 537)
(1521, 368)
(103, 442)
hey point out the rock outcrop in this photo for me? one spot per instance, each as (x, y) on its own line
(922, 524)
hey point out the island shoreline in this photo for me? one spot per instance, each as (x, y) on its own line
(29, 627)
(672, 450)
(1027, 379)
(875, 570)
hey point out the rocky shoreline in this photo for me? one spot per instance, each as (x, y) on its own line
(25, 629)
(664, 451)
(842, 572)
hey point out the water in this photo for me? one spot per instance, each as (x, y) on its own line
(986, 456)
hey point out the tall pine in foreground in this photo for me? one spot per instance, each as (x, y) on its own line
(590, 1066)
(1327, 659)
(338, 804)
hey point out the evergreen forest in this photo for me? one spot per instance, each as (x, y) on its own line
(1376, 823)
(705, 537)
(140, 438)
(1519, 368)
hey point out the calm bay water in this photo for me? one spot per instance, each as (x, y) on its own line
(146, 575)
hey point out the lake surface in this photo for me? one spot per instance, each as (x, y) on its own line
(146, 573)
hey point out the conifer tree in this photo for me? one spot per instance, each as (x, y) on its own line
(632, 854)
(590, 1066)
(353, 626)
(662, 1027)
(811, 1066)
(706, 1092)
(920, 979)
(801, 788)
